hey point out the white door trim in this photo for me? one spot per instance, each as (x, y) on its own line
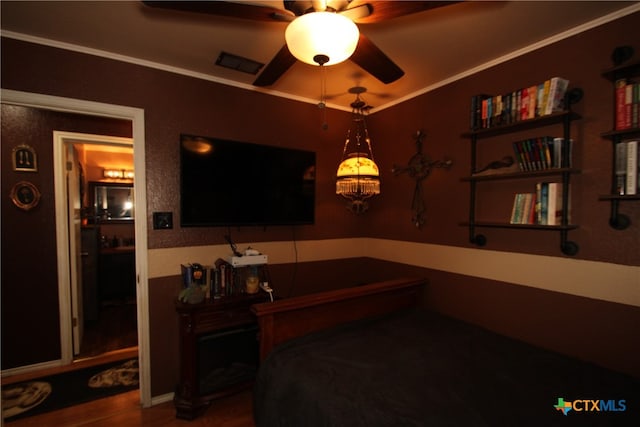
(61, 141)
(136, 115)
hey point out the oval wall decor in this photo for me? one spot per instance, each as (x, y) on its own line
(25, 195)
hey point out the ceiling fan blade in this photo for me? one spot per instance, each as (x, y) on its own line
(383, 10)
(226, 8)
(357, 13)
(375, 62)
(276, 68)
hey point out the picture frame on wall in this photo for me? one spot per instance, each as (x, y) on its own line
(25, 195)
(24, 158)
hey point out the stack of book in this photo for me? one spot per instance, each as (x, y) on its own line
(543, 207)
(627, 100)
(538, 100)
(545, 152)
(626, 164)
(223, 281)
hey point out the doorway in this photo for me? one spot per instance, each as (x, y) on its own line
(101, 222)
(136, 115)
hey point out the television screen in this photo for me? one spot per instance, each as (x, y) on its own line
(237, 183)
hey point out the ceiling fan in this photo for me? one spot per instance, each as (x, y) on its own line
(367, 55)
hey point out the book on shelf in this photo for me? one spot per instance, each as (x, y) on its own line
(555, 100)
(543, 95)
(554, 203)
(524, 209)
(523, 104)
(620, 99)
(515, 105)
(485, 111)
(516, 210)
(559, 158)
(533, 102)
(523, 155)
(541, 153)
(620, 165)
(520, 155)
(507, 106)
(632, 167)
(529, 211)
(496, 115)
(626, 166)
(476, 110)
(544, 206)
(627, 110)
(225, 278)
(635, 107)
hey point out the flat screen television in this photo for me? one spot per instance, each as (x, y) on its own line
(230, 183)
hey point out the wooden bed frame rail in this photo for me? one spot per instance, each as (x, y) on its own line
(289, 318)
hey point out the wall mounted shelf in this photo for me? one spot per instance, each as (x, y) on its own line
(618, 220)
(516, 175)
(562, 118)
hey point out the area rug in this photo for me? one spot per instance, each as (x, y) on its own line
(47, 394)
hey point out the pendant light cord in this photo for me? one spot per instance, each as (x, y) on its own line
(323, 94)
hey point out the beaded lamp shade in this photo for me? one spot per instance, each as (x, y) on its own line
(358, 176)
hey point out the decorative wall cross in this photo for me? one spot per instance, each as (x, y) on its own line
(419, 167)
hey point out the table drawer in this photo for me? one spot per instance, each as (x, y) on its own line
(206, 321)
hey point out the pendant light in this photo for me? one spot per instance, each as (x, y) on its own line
(358, 176)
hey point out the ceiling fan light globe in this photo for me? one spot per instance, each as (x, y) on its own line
(322, 34)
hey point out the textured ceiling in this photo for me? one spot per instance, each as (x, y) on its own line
(432, 47)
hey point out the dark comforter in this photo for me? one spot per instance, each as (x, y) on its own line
(417, 368)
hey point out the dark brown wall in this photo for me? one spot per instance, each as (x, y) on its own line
(175, 104)
(444, 115)
(597, 331)
(593, 330)
(30, 316)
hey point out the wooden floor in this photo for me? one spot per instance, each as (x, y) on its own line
(125, 410)
(112, 338)
(112, 356)
(115, 328)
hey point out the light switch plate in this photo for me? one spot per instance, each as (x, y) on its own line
(162, 220)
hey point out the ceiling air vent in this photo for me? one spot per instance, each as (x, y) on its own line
(238, 63)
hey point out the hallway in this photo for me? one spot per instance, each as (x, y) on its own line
(115, 329)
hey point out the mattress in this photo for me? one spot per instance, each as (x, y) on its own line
(419, 368)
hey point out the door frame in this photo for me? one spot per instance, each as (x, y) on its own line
(136, 115)
(69, 289)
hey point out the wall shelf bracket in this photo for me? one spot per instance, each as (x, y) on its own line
(617, 220)
(569, 248)
(478, 239)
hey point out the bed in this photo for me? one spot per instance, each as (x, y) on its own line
(370, 356)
